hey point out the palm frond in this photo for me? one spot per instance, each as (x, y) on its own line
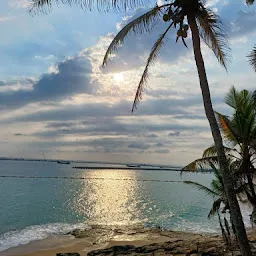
(215, 207)
(231, 98)
(212, 31)
(44, 6)
(226, 129)
(211, 151)
(200, 164)
(217, 185)
(239, 99)
(207, 190)
(249, 2)
(242, 123)
(143, 23)
(254, 97)
(152, 56)
(252, 58)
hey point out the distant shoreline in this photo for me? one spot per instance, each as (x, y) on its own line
(124, 168)
(145, 167)
(85, 162)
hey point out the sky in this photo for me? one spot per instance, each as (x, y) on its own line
(56, 100)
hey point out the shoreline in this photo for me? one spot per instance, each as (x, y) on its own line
(83, 241)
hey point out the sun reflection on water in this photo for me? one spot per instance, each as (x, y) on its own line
(106, 201)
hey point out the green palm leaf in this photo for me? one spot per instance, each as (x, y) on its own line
(215, 207)
(211, 151)
(152, 56)
(212, 31)
(200, 164)
(228, 132)
(237, 100)
(254, 97)
(207, 190)
(143, 23)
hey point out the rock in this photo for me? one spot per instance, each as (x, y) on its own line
(113, 250)
(210, 250)
(68, 254)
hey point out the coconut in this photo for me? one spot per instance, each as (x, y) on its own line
(179, 32)
(184, 34)
(165, 17)
(185, 27)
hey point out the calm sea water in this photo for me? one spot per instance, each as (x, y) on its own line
(32, 209)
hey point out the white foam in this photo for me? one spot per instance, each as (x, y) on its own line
(37, 232)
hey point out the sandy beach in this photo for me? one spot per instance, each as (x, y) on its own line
(99, 237)
(145, 240)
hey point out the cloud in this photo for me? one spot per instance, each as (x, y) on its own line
(139, 145)
(78, 107)
(19, 3)
(7, 18)
(162, 151)
(159, 144)
(152, 135)
(243, 24)
(72, 77)
(174, 133)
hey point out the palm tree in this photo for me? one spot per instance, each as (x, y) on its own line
(217, 191)
(239, 132)
(203, 23)
(252, 58)
(252, 55)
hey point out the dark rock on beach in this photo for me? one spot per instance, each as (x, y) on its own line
(68, 254)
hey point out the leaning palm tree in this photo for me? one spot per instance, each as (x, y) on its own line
(204, 24)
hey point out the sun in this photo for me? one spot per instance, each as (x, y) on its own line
(118, 77)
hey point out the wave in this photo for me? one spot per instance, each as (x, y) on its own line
(37, 232)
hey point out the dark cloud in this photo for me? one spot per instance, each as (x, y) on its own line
(139, 145)
(162, 151)
(152, 135)
(73, 77)
(159, 144)
(174, 133)
(105, 109)
(60, 124)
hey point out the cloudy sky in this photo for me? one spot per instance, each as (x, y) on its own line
(57, 101)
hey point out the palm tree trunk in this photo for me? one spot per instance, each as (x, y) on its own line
(226, 175)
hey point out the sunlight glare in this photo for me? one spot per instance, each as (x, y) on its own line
(118, 77)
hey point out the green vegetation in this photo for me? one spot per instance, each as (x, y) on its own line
(239, 132)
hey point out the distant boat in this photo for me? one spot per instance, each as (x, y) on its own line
(133, 165)
(63, 162)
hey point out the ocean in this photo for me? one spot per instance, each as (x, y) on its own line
(35, 208)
